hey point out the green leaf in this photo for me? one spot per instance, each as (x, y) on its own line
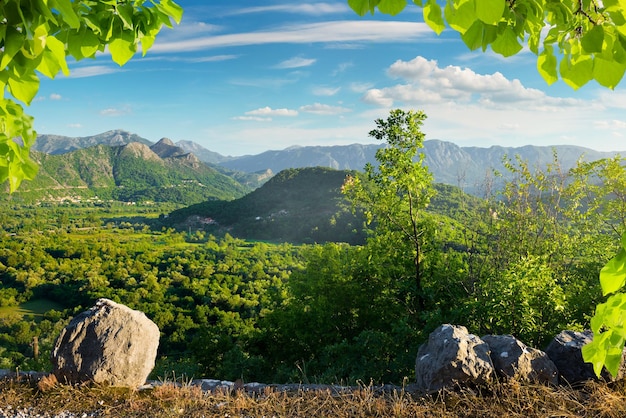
(432, 16)
(613, 274)
(57, 48)
(607, 73)
(595, 353)
(360, 7)
(391, 7)
(24, 87)
(576, 73)
(546, 65)
(67, 12)
(460, 16)
(473, 37)
(592, 40)
(506, 44)
(13, 42)
(172, 9)
(123, 48)
(489, 11)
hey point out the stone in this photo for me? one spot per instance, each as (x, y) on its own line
(511, 358)
(109, 344)
(565, 352)
(452, 357)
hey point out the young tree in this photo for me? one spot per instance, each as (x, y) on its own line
(36, 36)
(397, 192)
(589, 35)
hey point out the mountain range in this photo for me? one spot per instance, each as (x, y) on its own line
(133, 171)
(466, 167)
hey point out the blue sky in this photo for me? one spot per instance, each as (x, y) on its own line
(243, 77)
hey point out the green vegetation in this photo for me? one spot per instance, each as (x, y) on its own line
(297, 205)
(130, 173)
(524, 261)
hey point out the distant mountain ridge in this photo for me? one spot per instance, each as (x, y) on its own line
(466, 167)
(130, 172)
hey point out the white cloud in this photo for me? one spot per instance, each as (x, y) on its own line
(252, 118)
(55, 96)
(322, 109)
(268, 111)
(325, 91)
(92, 71)
(116, 111)
(74, 125)
(427, 83)
(315, 9)
(296, 62)
(360, 87)
(341, 31)
(342, 67)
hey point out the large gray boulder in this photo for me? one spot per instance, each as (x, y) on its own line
(565, 351)
(452, 357)
(512, 358)
(109, 344)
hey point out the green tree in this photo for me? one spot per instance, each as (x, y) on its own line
(396, 193)
(585, 39)
(36, 36)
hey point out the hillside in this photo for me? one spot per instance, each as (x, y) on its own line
(466, 167)
(131, 172)
(300, 205)
(296, 205)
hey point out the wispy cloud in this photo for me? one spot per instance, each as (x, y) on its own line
(252, 118)
(360, 87)
(55, 96)
(116, 111)
(323, 109)
(323, 32)
(314, 9)
(93, 71)
(325, 91)
(74, 125)
(296, 62)
(268, 111)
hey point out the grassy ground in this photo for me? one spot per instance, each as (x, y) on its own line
(511, 399)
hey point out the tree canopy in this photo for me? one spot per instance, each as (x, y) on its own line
(580, 40)
(36, 37)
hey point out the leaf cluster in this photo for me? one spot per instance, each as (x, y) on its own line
(578, 40)
(36, 36)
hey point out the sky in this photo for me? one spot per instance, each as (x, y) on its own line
(242, 77)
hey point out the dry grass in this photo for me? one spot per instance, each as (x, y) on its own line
(511, 399)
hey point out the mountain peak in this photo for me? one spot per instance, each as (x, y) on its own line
(139, 150)
(165, 148)
(165, 141)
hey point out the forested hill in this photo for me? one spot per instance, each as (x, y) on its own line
(296, 205)
(131, 172)
(301, 205)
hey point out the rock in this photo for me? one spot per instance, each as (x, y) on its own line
(511, 358)
(451, 357)
(109, 343)
(565, 351)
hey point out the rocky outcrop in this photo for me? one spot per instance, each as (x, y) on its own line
(451, 357)
(109, 344)
(511, 358)
(565, 352)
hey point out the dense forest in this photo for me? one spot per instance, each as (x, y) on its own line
(230, 308)
(522, 260)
